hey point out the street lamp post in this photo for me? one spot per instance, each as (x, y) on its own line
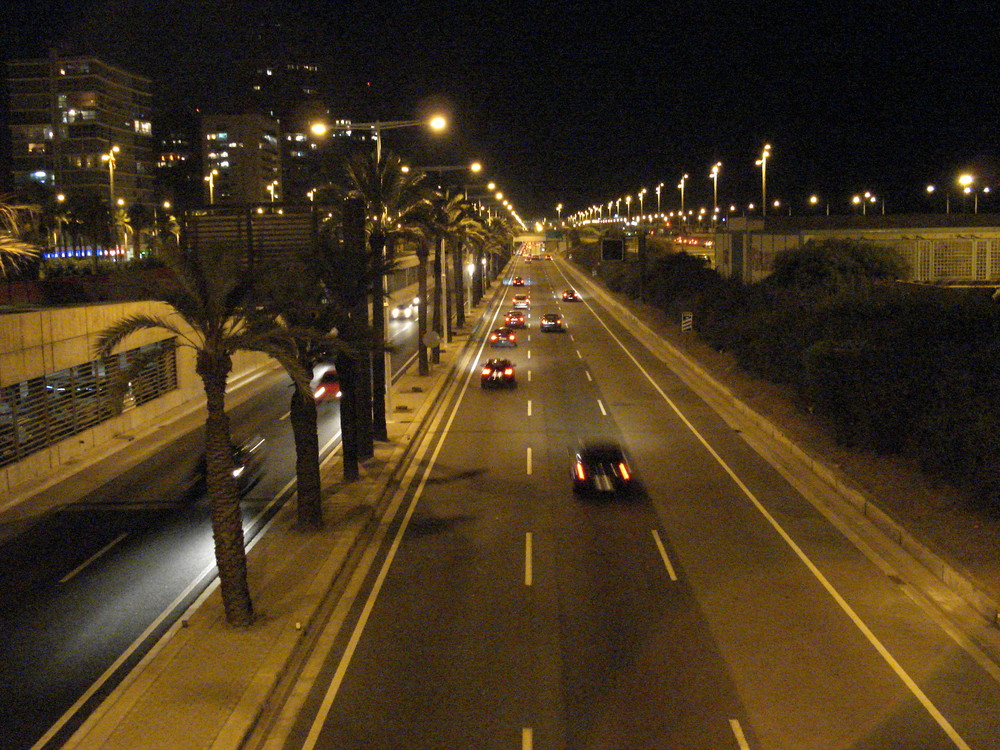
(641, 194)
(658, 189)
(112, 161)
(210, 179)
(966, 181)
(681, 186)
(435, 123)
(628, 208)
(762, 163)
(714, 174)
(559, 213)
(380, 366)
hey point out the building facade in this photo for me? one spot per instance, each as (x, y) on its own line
(241, 157)
(80, 126)
(938, 248)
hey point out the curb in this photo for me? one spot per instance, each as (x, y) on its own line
(951, 574)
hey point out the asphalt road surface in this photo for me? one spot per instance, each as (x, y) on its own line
(718, 609)
(87, 591)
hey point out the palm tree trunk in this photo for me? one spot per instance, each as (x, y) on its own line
(436, 320)
(378, 427)
(423, 368)
(459, 285)
(446, 284)
(308, 482)
(348, 410)
(227, 517)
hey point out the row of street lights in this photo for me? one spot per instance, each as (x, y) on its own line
(965, 182)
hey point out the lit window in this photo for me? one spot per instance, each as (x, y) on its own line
(36, 148)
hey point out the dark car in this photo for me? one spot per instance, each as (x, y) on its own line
(498, 373)
(518, 281)
(601, 468)
(328, 387)
(503, 336)
(248, 463)
(514, 319)
(552, 322)
(570, 295)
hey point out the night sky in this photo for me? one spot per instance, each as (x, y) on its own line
(581, 103)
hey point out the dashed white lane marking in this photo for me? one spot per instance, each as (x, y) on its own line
(589, 379)
(527, 741)
(529, 353)
(527, 559)
(663, 554)
(529, 376)
(578, 354)
(529, 460)
(529, 407)
(601, 405)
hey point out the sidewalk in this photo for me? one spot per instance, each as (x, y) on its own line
(204, 684)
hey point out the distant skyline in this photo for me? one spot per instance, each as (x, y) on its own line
(583, 103)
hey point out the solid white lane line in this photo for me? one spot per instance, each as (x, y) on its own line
(663, 554)
(529, 407)
(589, 379)
(529, 460)
(527, 741)
(741, 740)
(601, 405)
(889, 659)
(93, 557)
(527, 559)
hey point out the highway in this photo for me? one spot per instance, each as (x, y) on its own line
(717, 609)
(86, 592)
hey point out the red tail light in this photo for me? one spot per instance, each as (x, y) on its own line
(580, 473)
(509, 371)
(623, 471)
(487, 371)
(511, 337)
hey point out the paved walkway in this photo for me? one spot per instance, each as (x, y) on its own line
(205, 684)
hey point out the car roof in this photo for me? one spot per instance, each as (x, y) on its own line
(601, 452)
(550, 316)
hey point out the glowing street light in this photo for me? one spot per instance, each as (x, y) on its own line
(628, 207)
(641, 194)
(762, 163)
(714, 174)
(436, 123)
(559, 213)
(112, 161)
(967, 181)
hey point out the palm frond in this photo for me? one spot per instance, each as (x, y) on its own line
(116, 333)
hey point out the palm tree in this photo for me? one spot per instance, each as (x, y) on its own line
(213, 315)
(389, 192)
(15, 221)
